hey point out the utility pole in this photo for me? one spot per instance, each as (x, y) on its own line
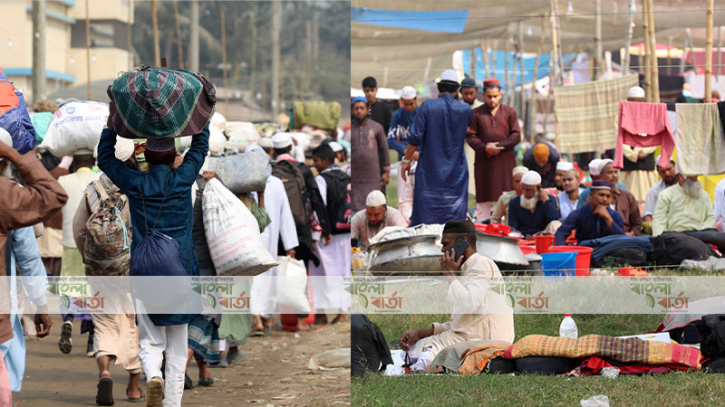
(598, 65)
(276, 16)
(178, 34)
(155, 27)
(316, 36)
(194, 40)
(88, 49)
(224, 64)
(708, 51)
(38, 50)
(128, 35)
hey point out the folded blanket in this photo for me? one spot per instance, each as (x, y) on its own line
(605, 245)
(629, 350)
(469, 357)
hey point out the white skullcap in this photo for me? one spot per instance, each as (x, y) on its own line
(281, 140)
(531, 178)
(550, 136)
(265, 142)
(335, 146)
(449, 75)
(603, 163)
(408, 93)
(253, 147)
(5, 137)
(564, 166)
(594, 166)
(635, 92)
(375, 199)
(520, 170)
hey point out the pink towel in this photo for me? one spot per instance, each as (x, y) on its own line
(644, 125)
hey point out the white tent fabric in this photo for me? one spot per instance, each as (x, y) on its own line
(401, 56)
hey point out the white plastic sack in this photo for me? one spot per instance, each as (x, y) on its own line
(216, 141)
(243, 134)
(232, 234)
(75, 126)
(292, 284)
(219, 121)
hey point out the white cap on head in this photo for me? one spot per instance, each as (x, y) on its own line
(253, 147)
(335, 146)
(265, 142)
(603, 163)
(564, 166)
(375, 199)
(519, 170)
(5, 137)
(449, 75)
(531, 178)
(635, 92)
(281, 140)
(550, 136)
(408, 93)
(594, 166)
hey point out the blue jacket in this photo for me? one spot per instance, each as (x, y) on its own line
(161, 183)
(588, 225)
(400, 126)
(441, 178)
(529, 223)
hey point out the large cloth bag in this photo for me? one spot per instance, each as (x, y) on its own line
(232, 234)
(247, 172)
(292, 284)
(75, 126)
(157, 102)
(14, 117)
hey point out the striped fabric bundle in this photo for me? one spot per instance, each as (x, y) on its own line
(156, 102)
(629, 350)
(467, 358)
(586, 114)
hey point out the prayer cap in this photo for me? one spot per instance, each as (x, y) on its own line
(468, 83)
(594, 166)
(491, 82)
(550, 136)
(359, 99)
(281, 140)
(657, 160)
(601, 184)
(603, 163)
(541, 152)
(520, 170)
(635, 92)
(335, 146)
(5, 137)
(408, 93)
(531, 178)
(160, 145)
(459, 226)
(450, 76)
(564, 166)
(265, 142)
(375, 198)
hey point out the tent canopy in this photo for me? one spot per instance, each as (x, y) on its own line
(406, 42)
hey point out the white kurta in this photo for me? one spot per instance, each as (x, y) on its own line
(335, 263)
(282, 223)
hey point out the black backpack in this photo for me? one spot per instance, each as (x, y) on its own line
(339, 209)
(294, 185)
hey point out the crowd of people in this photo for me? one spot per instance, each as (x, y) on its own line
(47, 205)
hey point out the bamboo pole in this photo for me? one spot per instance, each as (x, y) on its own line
(88, 49)
(655, 75)
(473, 63)
(708, 52)
(684, 51)
(494, 55)
(718, 70)
(669, 55)
(254, 54)
(555, 43)
(486, 60)
(155, 27)
(224, 62)
(532, 108)
(628, 39)
(598, 71)
(648, 53)
(506, 74)
(178, 35)
(128, 35)
(560, 56)
(521, 64)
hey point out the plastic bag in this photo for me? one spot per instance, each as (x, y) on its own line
(596, 401)
(292, 282)
(158, 255)
(75, 126)
(14, 116)
(247, 172)
(232, 234)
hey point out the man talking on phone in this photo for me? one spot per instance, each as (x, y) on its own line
(478, 312)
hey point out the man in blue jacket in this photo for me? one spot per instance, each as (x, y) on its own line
(164, 195)
(593, 220)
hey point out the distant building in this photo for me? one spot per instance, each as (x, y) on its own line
(65, 42)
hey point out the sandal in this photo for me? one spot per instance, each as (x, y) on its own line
(104, 397)
(206, 381)
(136, 400)
(65, 343)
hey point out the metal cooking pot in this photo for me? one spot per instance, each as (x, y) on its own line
(504, 251)
(404, 256)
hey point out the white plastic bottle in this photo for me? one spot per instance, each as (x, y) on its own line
(568, 329)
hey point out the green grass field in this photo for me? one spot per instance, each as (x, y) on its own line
(682, 388)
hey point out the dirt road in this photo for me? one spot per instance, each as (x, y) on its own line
(274, 373)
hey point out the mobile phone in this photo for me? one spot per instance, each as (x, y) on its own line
(460, 247)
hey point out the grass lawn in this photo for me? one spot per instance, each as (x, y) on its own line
(682, 388)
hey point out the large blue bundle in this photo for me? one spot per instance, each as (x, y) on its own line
(15, 118)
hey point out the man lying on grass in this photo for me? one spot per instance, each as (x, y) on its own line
(474, 303)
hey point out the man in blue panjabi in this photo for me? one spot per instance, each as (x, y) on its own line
(593, 220)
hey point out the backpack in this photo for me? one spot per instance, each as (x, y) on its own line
(109, 231)
(294, 185)
(339, 209)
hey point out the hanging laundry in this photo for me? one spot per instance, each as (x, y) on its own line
(644, 125)
(699, 140)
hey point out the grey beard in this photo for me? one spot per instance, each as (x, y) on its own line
(528, 204)
(692, 188)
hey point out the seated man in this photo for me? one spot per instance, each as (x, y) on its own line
(594, 166)
(570, 196)
(561, 168)
(593, 220)
(669, 178)
(542, 158)
(377, 216)
(501, 210)
(478, 313)
(621, 200)
(534, 211)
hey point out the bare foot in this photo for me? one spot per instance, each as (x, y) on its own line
(339, 318)
(302, 325)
